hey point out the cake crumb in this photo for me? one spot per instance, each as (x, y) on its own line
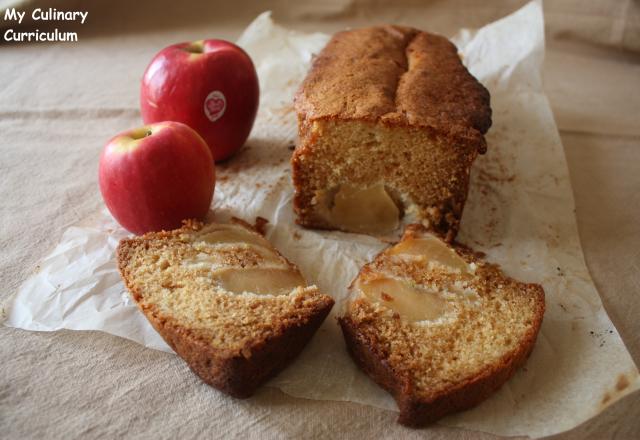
(622, 383)
(260, 224)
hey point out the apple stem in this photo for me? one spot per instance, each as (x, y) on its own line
(141, 133)
(196, 47)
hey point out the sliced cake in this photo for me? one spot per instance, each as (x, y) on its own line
(390, 122)
(438, 327)
(224, 299)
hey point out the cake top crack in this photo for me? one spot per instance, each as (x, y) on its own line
(398, 76)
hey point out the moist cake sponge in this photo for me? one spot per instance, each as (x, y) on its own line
(390, 122)
(224, 299)
(437, 327)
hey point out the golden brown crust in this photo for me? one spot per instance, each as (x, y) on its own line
(235, 370)
(396, 373)
(398, 76)
(417, 412)
(239, 374)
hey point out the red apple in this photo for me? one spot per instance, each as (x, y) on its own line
(210, 85)
(153, 177)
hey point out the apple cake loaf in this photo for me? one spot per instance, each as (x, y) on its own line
(438, 327)
(390, 122)
(224, 299)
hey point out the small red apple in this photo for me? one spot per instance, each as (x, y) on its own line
(210, 85)
(153, 177)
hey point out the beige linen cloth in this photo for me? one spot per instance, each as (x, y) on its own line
(60, 104)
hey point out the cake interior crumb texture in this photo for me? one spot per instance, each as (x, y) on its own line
(224, 299)
(437, 326)
(390, 106)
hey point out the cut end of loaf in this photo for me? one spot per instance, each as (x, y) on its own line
(384, 175)
(437, 327)
(224, 299)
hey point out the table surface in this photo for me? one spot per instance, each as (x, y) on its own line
(59, 104)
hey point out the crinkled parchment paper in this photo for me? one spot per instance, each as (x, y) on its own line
(520, 212)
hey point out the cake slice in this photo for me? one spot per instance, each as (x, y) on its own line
(437, 327)
(224, 299)
(390, 122)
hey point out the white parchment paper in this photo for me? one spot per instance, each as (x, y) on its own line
(520, 212)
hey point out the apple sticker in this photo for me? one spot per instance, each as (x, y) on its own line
(214, 105)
